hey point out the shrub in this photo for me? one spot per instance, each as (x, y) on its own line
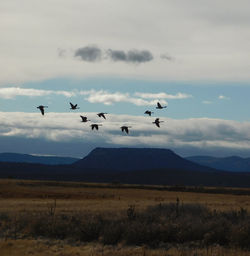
(163, 223)
(90, 228)
(112, 232)
(240, 235)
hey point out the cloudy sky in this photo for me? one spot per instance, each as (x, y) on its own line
(122, 57)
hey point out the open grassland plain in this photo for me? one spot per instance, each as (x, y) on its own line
(76, 218)
(61, 248)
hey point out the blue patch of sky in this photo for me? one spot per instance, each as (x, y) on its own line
(235, 108)
(45, 147)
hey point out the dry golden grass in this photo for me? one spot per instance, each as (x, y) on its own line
(37, 196)
(16, 196)
(61, 248)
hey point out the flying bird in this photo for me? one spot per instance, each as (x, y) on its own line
(73, 106)
(41, 107)
(157, 122)
(148, 112)
(159, 106)
(95, 126)
(102, 115)
(84, 119)
(125, 129)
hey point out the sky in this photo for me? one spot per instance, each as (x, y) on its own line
(121, 58)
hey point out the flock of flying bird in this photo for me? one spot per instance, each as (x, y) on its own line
(124, 128)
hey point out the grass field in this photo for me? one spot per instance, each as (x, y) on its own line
(25, 206)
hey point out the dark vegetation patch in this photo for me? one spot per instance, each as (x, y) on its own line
(117, 185)
(160, 225)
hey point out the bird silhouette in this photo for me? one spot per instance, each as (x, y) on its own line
(148, 112)
(102, 115)
(84, 119)
(73, 106)
(41, 107)
(125, 129)
(159, 106)
(95, 126)
(157, 122)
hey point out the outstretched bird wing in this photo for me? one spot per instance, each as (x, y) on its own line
(42, 110)
(159, 105)
(72, 106)
(101, 115)
(84, 118)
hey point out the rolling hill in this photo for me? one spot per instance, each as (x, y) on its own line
(233, 163)
(25, 158)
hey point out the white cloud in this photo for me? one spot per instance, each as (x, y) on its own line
(138, 98)
(12, 92)
(163, 95)
(223, 97)
(108, 98)
(197, 132)
(95, 96)
(207, 102)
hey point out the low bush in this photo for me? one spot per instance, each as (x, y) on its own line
(164, 223)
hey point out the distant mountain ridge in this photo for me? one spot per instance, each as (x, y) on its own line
(151, 177)
(26, 158)
(129, 166)
(232, 163)
(132, 159)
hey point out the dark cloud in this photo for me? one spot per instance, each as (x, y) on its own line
(139, 56)
(89, 53)
(117, 55)
(132, 56)
(167, 57)
(93, 54)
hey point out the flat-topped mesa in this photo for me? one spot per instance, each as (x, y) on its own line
(125, 159)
